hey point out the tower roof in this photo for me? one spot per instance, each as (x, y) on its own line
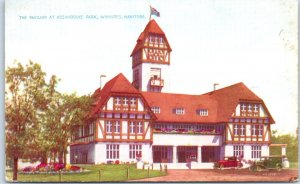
(151, 28)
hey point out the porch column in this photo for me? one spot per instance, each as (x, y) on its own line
(174, 154)
(283, 150)
(151, 154)
(199, 154)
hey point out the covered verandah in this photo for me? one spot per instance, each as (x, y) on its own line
(182, 157)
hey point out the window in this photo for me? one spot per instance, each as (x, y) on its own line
(242, 129)
(139, 127)
(202, 112)
(125, 101)
(238, 150)
(238, 129)
(257, 130)
(108, 126)
(136, 127)
(135, 150)
(155, 110)
(255, 151)
(118, 101)
(112, 126)
(249, 110)
(112, 151)
(117, 127)
(155, 73)
(179, 111)
(255, 107)
(133, 104)
(131, 128)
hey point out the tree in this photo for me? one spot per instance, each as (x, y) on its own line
(24, 101)
(64, 112)
(292, 145)
(39, 119)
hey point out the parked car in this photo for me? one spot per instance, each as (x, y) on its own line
(228, 162)
(267, 162)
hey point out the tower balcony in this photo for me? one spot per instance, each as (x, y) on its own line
(156, 82)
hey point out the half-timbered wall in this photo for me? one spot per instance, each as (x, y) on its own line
(124, 119)
(249, 124)
(83, 133)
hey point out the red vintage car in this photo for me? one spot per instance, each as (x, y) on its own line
(228, 162)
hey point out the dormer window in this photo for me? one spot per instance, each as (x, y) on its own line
(155, 110)
(202, 112)
(179, 111)
(125, 101)
(118, 101)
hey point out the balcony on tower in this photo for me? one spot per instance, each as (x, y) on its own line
(156, 81)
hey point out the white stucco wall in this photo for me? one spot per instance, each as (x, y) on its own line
(247, 150)
(110, 103)
(140, 105)
(187, 140)
(237, 110)
(145, 74)
(100, 152)
(262, 112)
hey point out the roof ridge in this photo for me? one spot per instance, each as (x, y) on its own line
(149, 92)
(226, 87)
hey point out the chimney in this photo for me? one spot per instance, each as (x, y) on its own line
(101, 76)
(215, 86)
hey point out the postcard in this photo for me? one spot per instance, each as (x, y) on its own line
(151, 91)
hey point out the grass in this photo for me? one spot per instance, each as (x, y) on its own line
(108, 173)
(294, 165)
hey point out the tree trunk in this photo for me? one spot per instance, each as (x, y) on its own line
(60, 157)
(44, 158)
(15, 174)
(65, 157)
(54, 155)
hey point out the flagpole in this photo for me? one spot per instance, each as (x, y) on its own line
(150, 14)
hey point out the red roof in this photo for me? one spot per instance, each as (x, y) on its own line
(153, 28)
(229, 97)
(219, 103)
(119, 84)
(167, 102)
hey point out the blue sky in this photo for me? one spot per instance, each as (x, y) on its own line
(213, 41)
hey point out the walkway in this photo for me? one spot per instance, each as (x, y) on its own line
(225, 175)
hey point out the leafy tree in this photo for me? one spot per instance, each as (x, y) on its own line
(292, 145)
(64, 112)
(39, 119)
(24, 101)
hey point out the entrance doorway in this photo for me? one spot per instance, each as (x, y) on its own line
(162, 154)
(210, 153)
(187, 153)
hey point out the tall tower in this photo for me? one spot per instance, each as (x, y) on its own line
(151, 60)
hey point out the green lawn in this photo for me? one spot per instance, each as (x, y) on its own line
(108, 173)
(294, 165)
